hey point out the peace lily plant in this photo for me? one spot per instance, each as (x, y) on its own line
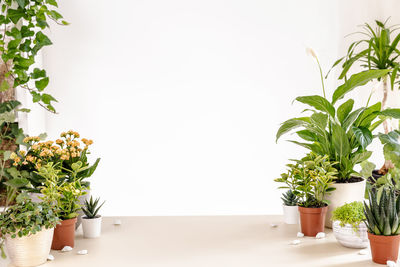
(341, 132)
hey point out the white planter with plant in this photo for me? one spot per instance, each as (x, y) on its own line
(91, 221)
(28, 230)
(290, 208)
(348, 225)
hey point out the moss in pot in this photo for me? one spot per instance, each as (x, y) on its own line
(348, 225)
(91, 222)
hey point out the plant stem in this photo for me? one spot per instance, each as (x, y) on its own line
(322, 77)
(384, 100)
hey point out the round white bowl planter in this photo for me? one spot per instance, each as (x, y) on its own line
(91, 227)
(31, 250)
(290, 214)
(344, 193)
(349, 236)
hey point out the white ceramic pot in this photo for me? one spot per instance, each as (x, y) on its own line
(31, 250)
(91, 227)
(351, 237)
(291, 214)
(82, 200)
(344, 193)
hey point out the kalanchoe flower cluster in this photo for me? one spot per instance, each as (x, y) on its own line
(67, 148)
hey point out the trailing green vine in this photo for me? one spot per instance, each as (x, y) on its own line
(22, 26)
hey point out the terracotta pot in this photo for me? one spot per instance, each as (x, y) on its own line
(312, 220)
(64, 234)
(384, 248)
(344, 193)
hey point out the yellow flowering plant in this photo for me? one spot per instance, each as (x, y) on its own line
(68, 153)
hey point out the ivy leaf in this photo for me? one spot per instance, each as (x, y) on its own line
(4, 86)
(52, 2)
(41, 84)
(15, 14)
(38, 73)
(46, 98)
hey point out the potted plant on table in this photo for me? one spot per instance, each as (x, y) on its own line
(314, 176)
(348, 225)
(27, 228)
(64, 196)
(342, 133)
(91, 222)
(289, 198)
(382, 220)
(70, 150)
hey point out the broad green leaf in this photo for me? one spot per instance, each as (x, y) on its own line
(351, 118)
(344, 110)
(318, 102)
(356, 80)
(391, 112)
(340, 141)
(15, 14)
(21, 3)
(41, 84)
(17, 182)
(363, 136)
(307, 135)
(291, 124)
(361, 157)
(320, 120)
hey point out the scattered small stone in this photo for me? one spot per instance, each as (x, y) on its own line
(66, 249)
(363, 252)
(320, 235)
(117, 222)
(273, 225)
(50, 257)
(295, 242)
(82, 252)
(391, 264)
(300, 234)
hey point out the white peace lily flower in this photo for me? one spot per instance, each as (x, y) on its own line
(311, 53)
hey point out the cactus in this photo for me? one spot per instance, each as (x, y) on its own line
(91, 208)
(383, 212)
(289, 198)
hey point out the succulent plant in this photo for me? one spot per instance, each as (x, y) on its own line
(91, 208)
(383, 211)
(289, 198)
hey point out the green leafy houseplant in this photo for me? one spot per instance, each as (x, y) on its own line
(64, 194)
(341, 133)
(289, 198)
(377, 51)
(313, 176)
(350, 213)
(26, 217)
(23, 24)
(92, 208)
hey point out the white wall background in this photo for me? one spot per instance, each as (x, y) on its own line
(183, 98)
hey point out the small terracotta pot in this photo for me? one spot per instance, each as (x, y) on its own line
(312, 220)
(64, 234)
(384, 248)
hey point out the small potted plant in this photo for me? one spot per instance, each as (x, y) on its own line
(383, 225)
(65, 196)
(28, 230)
(91, 222)
(348, 225)
(290, 208)
(289, 198)
(314, 175)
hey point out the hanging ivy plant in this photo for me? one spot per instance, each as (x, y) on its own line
(22, 26)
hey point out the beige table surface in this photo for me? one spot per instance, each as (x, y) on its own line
(206, 241)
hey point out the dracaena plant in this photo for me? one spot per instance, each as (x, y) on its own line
(377, 51)
(22, 36)
(312, 178)
(382, 212)
(342, 133)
